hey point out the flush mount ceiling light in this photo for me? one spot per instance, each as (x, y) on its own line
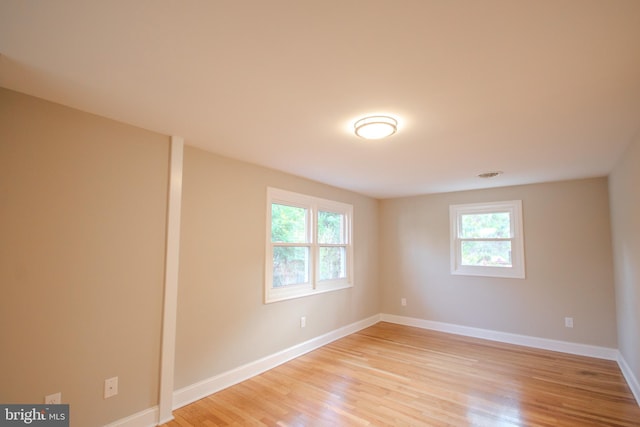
(376, 127)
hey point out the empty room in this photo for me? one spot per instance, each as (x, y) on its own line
(320, 213)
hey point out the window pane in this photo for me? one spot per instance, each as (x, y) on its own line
(493, 254)
(333, 263)
(288, 224)
(330, 227)
(290, 265)
(489, 225)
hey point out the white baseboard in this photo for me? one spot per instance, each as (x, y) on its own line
(191, 393)
(524, 340)
(633, 382)
(204, 388)
(146, 418)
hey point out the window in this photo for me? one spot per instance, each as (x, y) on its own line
(487, 240)
(309, 247)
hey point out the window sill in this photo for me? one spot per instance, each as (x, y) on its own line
(287, 294)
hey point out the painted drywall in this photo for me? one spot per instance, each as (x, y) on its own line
(82, 220)
(568, 264)
(222, 321)
(624, 189)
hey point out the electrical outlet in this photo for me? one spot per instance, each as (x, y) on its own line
(303, 321)
(110, 387)
(568, 322)
(403, 302)
(53, 399)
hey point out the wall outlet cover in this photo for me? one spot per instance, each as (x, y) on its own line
(568, 322)
(53, 399)
(110, 387)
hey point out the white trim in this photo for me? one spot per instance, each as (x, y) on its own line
(172, 261)
(514, 209)
(146, 418)
(193, 392)
(506, 337)
(313, 285)
(632, 381)
(204, 388)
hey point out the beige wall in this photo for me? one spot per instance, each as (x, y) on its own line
(568, 264)
(222, 320)
(83, 217)
(624, 188)
(82, 226)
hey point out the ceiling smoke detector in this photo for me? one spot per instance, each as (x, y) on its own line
(489, 174)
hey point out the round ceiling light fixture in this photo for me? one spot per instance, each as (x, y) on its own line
(376, 127)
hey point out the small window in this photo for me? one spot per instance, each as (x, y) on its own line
(309, 246)
(487, 239)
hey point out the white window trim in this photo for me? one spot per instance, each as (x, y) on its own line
(315, 285)
(514, 207)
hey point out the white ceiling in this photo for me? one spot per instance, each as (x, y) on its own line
(542, 90)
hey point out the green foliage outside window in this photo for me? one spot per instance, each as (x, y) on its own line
(487, 253)
(489, 225)
(290, 263)
(288, 224)
(333, 258)
(330, 227)
(495, 253)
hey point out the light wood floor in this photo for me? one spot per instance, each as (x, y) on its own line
(391, 375)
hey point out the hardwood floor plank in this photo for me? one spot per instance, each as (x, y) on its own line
(393, 375)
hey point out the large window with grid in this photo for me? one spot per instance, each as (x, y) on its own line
(309, 248)
(487, 239)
